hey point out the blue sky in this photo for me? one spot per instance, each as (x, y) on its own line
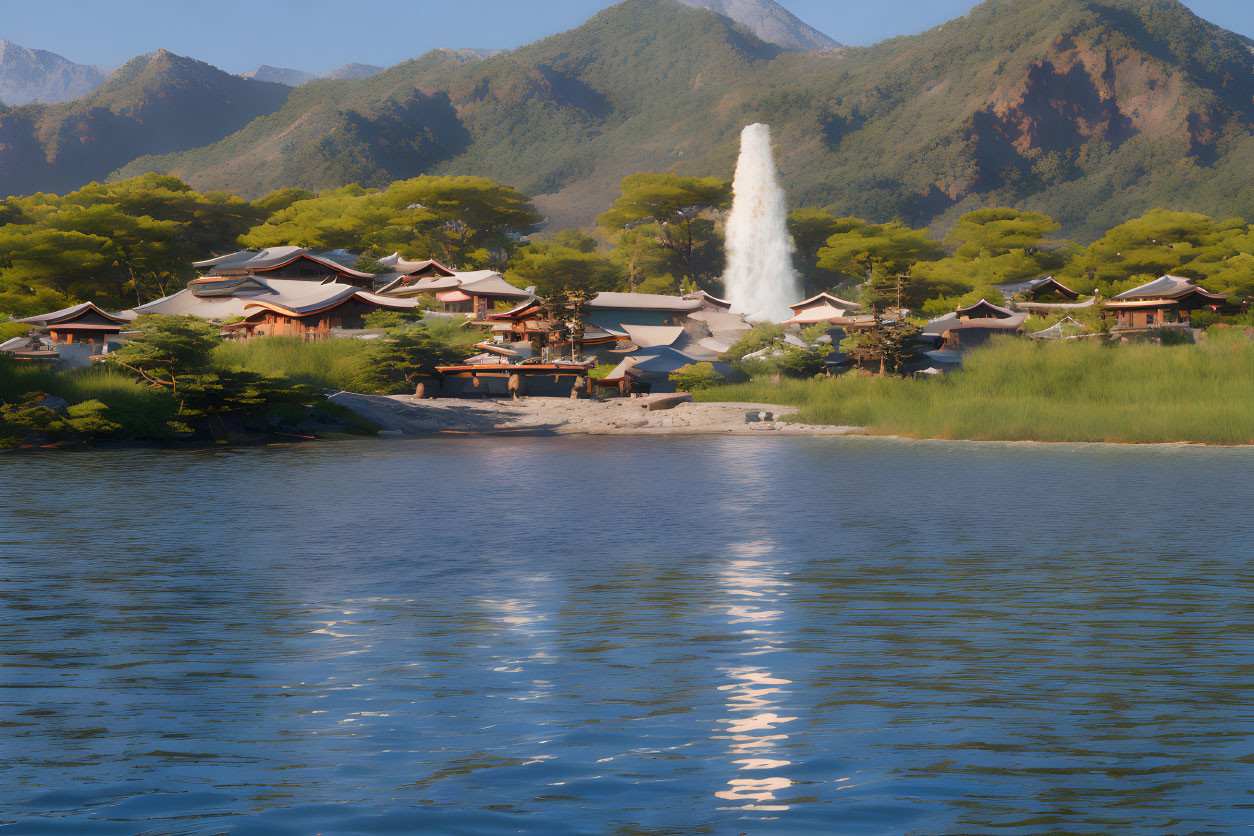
(318, 35)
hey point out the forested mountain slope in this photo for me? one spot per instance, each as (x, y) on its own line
(1090, 110)
(154, 104)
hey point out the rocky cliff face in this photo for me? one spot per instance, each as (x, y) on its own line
(33, 75)
(769, 21)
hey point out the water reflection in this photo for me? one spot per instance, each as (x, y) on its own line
(678, 653)
(755, 697)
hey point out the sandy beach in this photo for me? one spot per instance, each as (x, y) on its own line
(408, 415)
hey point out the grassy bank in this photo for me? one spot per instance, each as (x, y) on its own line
(1015, 390)
(142, 410)
(327, 364)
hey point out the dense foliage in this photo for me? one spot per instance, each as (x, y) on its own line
(464, 222)
(111, 244)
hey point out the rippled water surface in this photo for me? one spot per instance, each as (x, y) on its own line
(635, 636)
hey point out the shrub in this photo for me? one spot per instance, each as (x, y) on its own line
(695, 377)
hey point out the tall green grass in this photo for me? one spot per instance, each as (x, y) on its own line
(140, 409)
(326, 364)
(1016, 390)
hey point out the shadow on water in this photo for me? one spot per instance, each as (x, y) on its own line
(630, 635)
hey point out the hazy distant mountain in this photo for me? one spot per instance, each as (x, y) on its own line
(153, 104)
(769, 21)
(280, 75)
(33, 75)
(295, 78)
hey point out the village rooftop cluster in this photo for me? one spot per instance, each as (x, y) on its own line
(533, 347)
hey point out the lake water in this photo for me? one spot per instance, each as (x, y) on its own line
(627, 635)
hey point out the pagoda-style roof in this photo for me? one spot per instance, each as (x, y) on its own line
(429, 267)
(824, 313)
(488, 283)
(984, 309)
(325, 263)
(712, 301)
(81, 316)
(953, 322)
(335, 296)
(643, 302)
(824, 299)
(288, 296)
(244, 262)
(1049, 285)
(652, 336)
(529, 309)
(221, 286)
(1167, 287)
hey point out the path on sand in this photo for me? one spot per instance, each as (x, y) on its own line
(620, 416)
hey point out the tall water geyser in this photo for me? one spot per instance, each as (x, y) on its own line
(760, 279)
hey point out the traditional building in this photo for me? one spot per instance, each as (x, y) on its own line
(613, 311)
(314, 316)
(34, 349)
(1169, 301)
(83, 323)
(249, 306)
(292, 263)
(958, 332)
(827, 309)
(984, 310)
(476, 292)
(711, 303)
(1048, 295)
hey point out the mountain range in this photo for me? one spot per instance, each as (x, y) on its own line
(770, 22)
(1090, 110)
(33, 75)
(295, 78)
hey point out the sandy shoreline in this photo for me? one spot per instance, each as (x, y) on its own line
(406, 415)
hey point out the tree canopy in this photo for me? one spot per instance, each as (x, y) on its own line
(682, 210)
(112, 243)
(465, 222)
(553, 268)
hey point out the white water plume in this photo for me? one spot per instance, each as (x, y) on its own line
(760, 279)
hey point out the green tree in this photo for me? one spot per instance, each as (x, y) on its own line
(1150, 246)
(237, 392)
(281, 199)
(464, 222)
(553, 268)
(407, 353)
(111, 243)
(682, 210)
(646, 265)
(695, 377)
(166, 348)
(890, 345)
(995, 232)
(858, 248)
(810, 228)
